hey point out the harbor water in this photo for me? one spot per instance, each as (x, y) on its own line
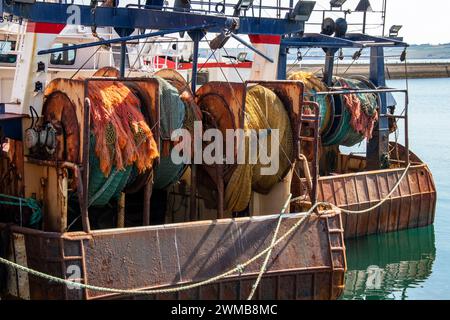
(412, 264)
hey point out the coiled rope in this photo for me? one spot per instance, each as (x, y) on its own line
(263, 111)
(239, 268)
(24, 202)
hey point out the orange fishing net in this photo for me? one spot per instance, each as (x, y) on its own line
(122, 136)
(363, 115)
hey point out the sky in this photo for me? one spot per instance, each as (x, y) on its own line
(424, 21)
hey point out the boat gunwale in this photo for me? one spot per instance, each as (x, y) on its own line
(77, 235)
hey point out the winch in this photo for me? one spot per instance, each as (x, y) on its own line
(41, 140)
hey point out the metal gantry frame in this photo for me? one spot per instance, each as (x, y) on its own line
(153, 17)
(378, 146)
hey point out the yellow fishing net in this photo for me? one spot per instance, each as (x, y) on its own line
(263, 110)
(311, 82)
(312, 85)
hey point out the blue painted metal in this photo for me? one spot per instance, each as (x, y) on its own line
(353, 40)
(329, 66)
(381, 41)
(123, 56)
(196, 37)
(282, 64)
(10, 125)
(318, 40)
(148, 18)
(378, 147)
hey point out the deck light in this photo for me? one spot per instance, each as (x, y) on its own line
(302, 10)
(242, 5)
(337, 3)
(394, 30)
(363, 6)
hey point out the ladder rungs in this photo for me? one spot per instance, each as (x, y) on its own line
(73, 258)
(309, 139)
(310, 120)
(337, 249)
(336, 230)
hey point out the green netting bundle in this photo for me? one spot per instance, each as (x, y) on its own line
(172, 117)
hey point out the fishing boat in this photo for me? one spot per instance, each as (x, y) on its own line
(94, 206)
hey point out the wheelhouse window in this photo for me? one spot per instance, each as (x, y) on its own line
(64, 58)
(5, 48)
(202, 78)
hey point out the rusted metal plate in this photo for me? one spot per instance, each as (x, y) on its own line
(12, 168)
(302, 267)
(107, 72)
(411, 205)
(62, 114)
(224, 102)
(198, 251)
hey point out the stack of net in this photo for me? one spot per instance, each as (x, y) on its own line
(172, 117)
(263, 110)
(120, 140)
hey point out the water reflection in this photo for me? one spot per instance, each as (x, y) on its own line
(386, 266)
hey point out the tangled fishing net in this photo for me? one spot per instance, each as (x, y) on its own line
(172, 117)
(362, 107)
(123, 138)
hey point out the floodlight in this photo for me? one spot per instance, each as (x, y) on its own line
(302, 10)
(363, 6)
(242, 5)
(337, 3)
(394, 30)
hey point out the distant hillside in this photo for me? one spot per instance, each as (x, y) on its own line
(426, 51)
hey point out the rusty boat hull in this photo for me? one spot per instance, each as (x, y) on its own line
(411, 205)
(309, 264)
